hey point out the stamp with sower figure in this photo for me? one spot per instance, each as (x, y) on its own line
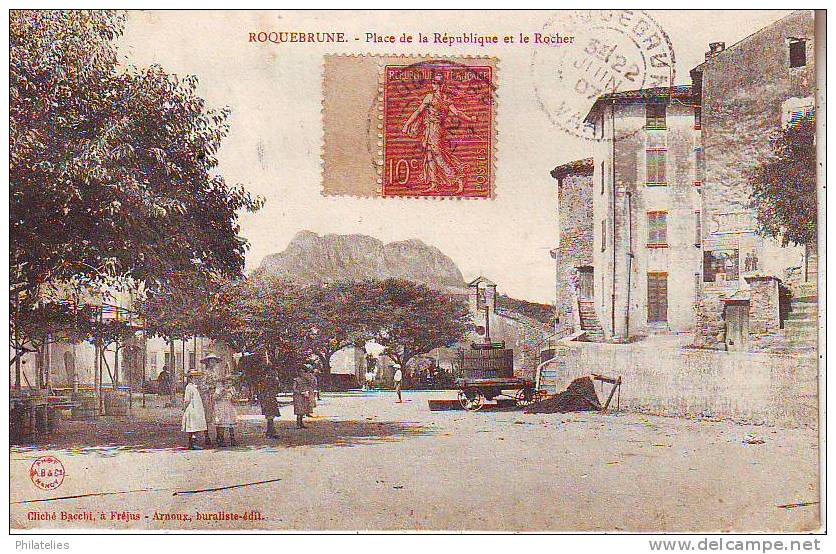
(430, 127)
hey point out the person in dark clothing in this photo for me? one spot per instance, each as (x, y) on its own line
(267, 391)
(164, 381)
(303, 391)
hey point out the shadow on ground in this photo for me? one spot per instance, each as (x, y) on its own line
(110, 436)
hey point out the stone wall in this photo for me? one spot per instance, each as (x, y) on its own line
(710, 328)
(765, 315)
(747, 387)
(743, 90)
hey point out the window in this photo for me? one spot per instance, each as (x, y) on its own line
(699, 164)
(655, 115)
(603, 235)
(657, 229)
(697, 229)
(798, 52)
(697, 287)
(656, 162)
(192, 360)
(602, 177)
(657, 297)
(698, 117)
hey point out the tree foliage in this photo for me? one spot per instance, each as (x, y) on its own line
(290, 326)
(413, 319)
(112, 170)
(784, 186)
(337, 316)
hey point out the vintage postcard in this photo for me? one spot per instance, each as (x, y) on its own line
(416, 271)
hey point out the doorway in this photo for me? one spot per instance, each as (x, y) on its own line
(737, 326)
(586, 284)
(657, 297)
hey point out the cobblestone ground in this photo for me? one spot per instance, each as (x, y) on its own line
(368, 463)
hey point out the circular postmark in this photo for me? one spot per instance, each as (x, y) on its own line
(47, 473)
(431, 127)
(613, 51)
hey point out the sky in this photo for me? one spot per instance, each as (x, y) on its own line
(275, 140)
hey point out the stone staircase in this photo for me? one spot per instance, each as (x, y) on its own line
(801, 326)
(589, 322)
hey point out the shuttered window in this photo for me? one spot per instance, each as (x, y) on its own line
(657, 229)
(656, 161)
(699, 163)
(655, 116)
(657, 297)
(697, 229)
(798, 52)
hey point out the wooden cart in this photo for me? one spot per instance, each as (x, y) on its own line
(485, 372)
(473, 393)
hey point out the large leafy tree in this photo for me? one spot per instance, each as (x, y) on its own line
(413, 319)
(267, 317)
(784, 186)
(112, 170)
(336, 314)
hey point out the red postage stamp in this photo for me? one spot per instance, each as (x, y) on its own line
(47, 473)
(437, 130)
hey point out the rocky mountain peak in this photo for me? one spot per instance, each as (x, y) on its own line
(311, 258)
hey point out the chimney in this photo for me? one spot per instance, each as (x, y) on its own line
(714, 48)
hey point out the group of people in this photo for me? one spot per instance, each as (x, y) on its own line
(206, 402)
(305, 393)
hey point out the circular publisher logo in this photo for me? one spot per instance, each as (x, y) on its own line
(47, 473)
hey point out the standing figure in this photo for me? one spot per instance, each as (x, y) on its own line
(194, 417)
(301, 397)
(371, 371)
(264, 380)
(268, 390)
(369, 384)
(225, 414)
(164, 381)
(440, 166)
(398, 378)
(313, 387)
(206, 386)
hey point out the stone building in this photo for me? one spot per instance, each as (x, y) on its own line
(645, 212)
(674, 244)
(574, 306)
(748, 92)
(497, 321)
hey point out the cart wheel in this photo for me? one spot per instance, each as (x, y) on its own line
(471, 400)
(525, 397)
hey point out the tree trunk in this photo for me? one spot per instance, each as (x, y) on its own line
(325, 377)
(173, 370)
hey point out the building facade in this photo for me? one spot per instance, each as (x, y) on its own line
(674, 241)
(748, 93)
(645, 212)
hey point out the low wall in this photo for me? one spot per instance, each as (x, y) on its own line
(748, 387)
